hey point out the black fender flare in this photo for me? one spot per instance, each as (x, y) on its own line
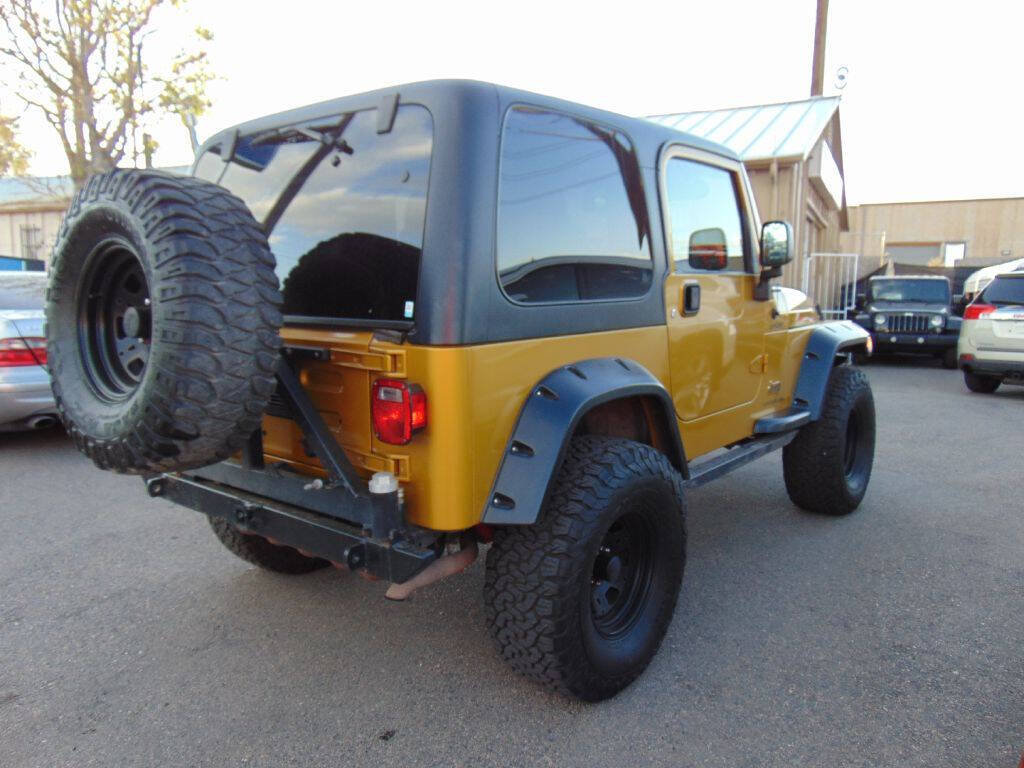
(548, 420)
(825, 343)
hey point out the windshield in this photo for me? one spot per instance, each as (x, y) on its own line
(22, 291)
(343, 207)
(1004, 290)
(914, 291)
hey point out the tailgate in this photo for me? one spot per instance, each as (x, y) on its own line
(1008, 325)
(340, 391)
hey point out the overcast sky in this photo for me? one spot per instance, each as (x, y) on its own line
(931, 110)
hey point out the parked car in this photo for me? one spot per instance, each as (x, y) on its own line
(26, 401)
(991, 346)
(546, 356)
(910, 314)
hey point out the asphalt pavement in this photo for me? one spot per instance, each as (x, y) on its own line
(892, 637)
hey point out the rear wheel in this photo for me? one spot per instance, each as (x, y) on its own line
(986, 385)
(581, 600)
(828, 464)
(259, 551)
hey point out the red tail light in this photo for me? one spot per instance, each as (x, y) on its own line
(974, 311)
(399, 410)
(16, 352)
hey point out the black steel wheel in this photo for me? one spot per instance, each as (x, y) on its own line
(162, 322)
(828, 465)
(115, 320)
(580, 600)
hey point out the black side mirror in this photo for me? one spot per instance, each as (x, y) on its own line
(862, 299)
(776, 244)
(708, 249)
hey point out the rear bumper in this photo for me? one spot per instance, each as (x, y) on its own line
(346, 530)
(24, 392)
(922, 343)
(1007, 370)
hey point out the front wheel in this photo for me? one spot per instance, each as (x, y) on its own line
(828, 464)
(580, 600)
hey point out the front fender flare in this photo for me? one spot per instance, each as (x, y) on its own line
(824, 344)
(548, 420)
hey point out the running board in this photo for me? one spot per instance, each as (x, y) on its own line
(794, 418)
(734, 458)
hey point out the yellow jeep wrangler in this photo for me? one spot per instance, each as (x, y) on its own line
(378, 331)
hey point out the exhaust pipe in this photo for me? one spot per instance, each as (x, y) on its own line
(441, 568)
(42, 422)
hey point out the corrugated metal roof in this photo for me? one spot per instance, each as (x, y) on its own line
(760, 132)
(35, 189)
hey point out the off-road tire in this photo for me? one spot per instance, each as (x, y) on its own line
(212, 314)
(828, 465)
(949, 359)
(540, 579)
(259, 551)
(976, 382)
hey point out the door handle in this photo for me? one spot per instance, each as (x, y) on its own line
(691, 299)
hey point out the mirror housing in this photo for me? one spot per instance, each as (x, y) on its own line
(862, 299)
(776, 244)
(708, 249)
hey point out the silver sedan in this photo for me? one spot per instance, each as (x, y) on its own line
(26, 401)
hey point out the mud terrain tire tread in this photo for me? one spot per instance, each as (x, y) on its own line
(260, 552)
(534, 573)
(216, 316)
(813, 464)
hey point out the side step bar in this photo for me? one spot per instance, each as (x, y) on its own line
(711, 469)
(794, 418)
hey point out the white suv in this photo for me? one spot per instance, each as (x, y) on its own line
(991, 346)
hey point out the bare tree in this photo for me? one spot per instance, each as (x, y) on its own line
(13, 157)
(80, 63)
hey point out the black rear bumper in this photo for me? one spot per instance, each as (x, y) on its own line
(351, 531)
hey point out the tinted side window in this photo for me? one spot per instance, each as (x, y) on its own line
(704, 217)
(572, 216)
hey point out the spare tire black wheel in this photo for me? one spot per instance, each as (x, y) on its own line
(162, 316)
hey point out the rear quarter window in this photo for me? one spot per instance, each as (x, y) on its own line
(572, 216)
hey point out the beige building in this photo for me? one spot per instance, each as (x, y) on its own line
(940, 233)
(793, 153)
(31, 211)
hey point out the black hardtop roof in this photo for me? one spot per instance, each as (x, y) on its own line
(448, 92)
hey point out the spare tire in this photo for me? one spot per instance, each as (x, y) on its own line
(162, 314)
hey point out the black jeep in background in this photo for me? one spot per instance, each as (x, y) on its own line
(910, 315)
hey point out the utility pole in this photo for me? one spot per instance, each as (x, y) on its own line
(818, 64)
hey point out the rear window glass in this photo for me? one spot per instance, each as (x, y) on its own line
(920, 291)
(572, 216)
(1004, 290)
(344, 208)
(21, 291)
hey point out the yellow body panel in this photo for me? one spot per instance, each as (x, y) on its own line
(475, 393)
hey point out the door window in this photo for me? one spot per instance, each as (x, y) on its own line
(705, 219)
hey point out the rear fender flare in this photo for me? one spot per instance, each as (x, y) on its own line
(825, 345)
(549, 418)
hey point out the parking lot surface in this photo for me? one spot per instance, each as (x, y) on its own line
(129, 636)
